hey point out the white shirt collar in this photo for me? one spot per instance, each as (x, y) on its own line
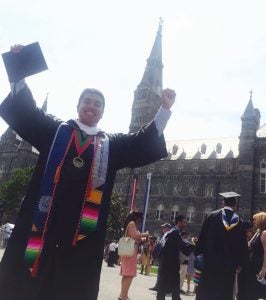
(90, 130)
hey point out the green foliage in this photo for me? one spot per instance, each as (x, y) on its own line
(117, 215)
(12, 193)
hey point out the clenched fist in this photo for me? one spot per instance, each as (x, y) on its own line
(168, 98)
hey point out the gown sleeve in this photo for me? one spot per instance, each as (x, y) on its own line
(138, 149)
(31, 123)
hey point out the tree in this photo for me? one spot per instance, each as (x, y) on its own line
(117, 216)
(12, 193)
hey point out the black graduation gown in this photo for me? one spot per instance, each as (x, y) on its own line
(222, 252)
(66, 272)
(169, 263)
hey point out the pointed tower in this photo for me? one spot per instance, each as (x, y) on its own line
(250, 123)
(147, 96)
(8, 141)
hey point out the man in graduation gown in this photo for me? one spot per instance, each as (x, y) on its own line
(169, 262)
(222, 242)
(56, 249)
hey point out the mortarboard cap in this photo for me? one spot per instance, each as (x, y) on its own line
(28, 61)
(228, 195)
(231, 198)
(166, 225)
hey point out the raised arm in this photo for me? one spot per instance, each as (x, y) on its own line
(148, 144)
(20, 112)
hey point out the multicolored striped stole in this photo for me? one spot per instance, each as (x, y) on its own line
(229, 224)
(93, 197)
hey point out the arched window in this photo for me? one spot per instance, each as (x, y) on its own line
(209, 190)
(159, 212)
(206, 212)
(195, 168)
(174, 212)
(228, 167)
(263, 176)
(190, 213)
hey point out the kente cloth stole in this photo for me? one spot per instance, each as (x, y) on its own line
(229, 224)
(90, 210)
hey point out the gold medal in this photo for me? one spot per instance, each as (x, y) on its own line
(78, 162)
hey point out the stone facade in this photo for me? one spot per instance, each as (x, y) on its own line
(15, 154)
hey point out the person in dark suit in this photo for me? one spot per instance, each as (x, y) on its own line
(169, 263)
(157, 249)
(223, 244)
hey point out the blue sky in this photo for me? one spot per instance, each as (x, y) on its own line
(214, 53)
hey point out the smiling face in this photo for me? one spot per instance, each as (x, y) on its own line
(90, 108)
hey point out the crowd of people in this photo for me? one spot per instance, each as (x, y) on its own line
(227, 261)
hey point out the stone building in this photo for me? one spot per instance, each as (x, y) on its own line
(189, 179)
(16, 153)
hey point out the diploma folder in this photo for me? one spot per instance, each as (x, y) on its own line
(27, 62)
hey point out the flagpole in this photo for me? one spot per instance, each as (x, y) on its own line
(134, 188)
(146, 201)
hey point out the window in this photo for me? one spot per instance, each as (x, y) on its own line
(228, 168)
(190, 213)
(159, 212)
(192, 189)
(195, 168)
(206, 212)
(263, 176)
(180, 167)
(174, 212)
(209, 190)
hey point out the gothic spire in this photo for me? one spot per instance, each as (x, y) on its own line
(147, 96)
(249, 111)
(152, 77)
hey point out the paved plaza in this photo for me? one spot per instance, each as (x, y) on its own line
(139, 290)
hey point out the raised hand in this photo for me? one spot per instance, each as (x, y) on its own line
(16, 48)
(168, 98)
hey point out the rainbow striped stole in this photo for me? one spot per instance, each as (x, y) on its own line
(93, 196)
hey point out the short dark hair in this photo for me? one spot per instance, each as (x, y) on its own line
(93, 91)
(179, 218)
(230, 201)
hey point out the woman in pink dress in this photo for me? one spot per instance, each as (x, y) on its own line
(129, 264)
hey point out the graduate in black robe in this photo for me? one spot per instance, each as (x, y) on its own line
(169, 262)
(56, 248)
(223, 243)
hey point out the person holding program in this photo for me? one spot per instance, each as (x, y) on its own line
(56, 248)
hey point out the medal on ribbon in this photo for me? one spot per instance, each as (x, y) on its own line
(81, 145)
